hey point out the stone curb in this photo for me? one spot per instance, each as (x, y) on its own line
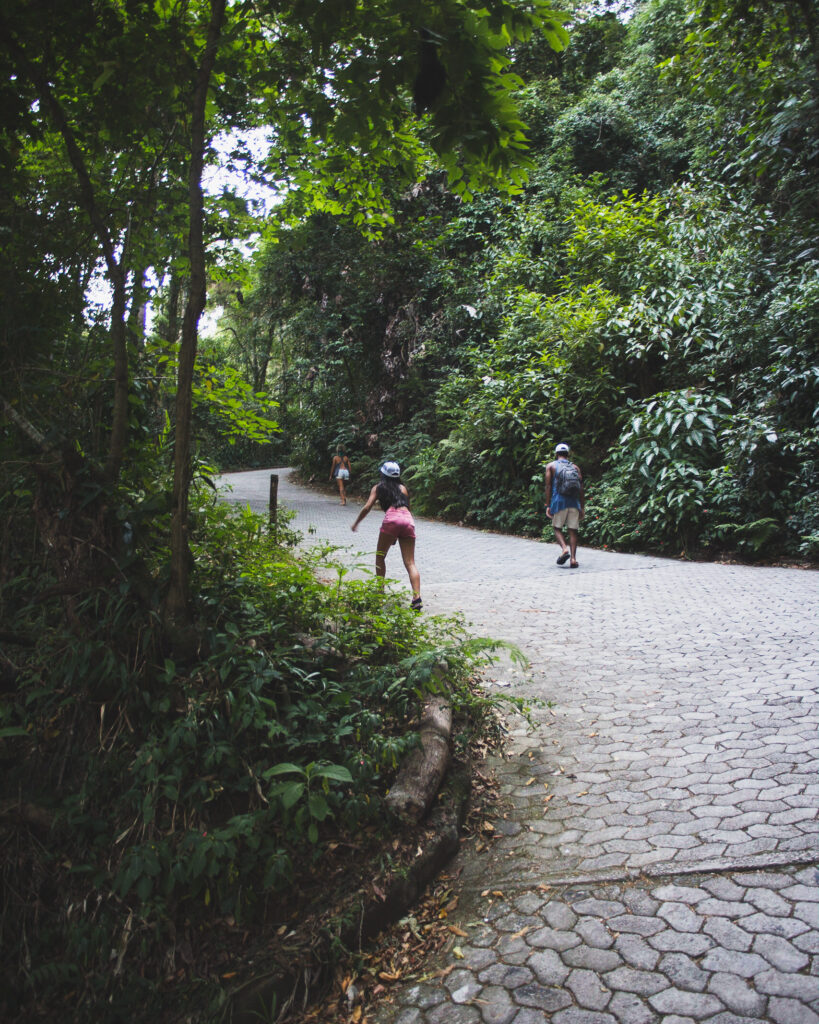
(667, 869)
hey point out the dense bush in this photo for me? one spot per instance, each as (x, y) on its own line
(178, 789)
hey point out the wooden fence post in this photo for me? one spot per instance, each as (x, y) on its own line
(274, 502)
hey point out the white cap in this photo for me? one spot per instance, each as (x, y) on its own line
(562, 447)
(390, 469)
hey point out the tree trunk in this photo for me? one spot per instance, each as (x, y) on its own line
(177, 609)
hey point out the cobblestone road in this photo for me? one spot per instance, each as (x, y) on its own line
(657, 852)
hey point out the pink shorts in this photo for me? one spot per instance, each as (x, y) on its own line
(398, 522)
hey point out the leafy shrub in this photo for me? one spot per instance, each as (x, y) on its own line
(179, 788)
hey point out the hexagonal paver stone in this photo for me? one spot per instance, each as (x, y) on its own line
(558, 915)
(546, 999)
(575, 1016)
(593, 959)
(485, 935)
(787, 927)
(463, 986)
(723, 888)
(636, 924)
(594, 933)
(678, 894)
(793, 986)
(808, 942)
(693, 1004)
(511, 949)
(807, 912)
(528, 1016)
(641, 983)
(809, 893)
(725, 908)
(670, 941)
(727, 934)
(636, 952)
(599, 908)
(683, 972)
(780, 953)
(548, 967)
(446, 1013)
(496, 1006)
(737, 994)
(588, 990)
(746, 965)
(630, 1009)
(514, 923)
(424, 996)
(529, 903)
(551, 938)
(808, 876)
(790, 1011)
(680, 917)
(638, 901)
(506, 976)
(768, 902)
(477, 958)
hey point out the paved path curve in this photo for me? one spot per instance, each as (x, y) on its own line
(656, 859)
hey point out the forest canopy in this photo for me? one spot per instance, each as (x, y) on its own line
(649, 294)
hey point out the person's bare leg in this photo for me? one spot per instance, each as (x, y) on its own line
(407, 545)
(342, 491)
(573, 546)
(385, 542)
(561, 540)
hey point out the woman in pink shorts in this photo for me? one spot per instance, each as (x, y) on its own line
(398, 525)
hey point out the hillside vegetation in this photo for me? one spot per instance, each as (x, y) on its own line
(650, 295)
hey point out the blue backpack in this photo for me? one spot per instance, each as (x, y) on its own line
(567, 480)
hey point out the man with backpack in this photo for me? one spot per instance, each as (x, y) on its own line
(565, 502)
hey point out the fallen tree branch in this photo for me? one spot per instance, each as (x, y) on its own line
(28, 428)
(422, 772)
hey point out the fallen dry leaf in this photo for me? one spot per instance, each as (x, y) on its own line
(458, 931)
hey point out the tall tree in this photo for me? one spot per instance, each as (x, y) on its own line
(136, 95)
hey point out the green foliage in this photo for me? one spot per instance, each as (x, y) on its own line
(182, 788)
(668, 460)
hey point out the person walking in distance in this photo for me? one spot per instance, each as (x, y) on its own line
(565, 502)
(398, 524)
(340, 472)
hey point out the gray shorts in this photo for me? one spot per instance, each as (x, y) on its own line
(568, 517)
